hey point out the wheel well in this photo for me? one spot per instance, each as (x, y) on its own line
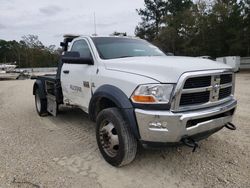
(101, 104)
(35, 88)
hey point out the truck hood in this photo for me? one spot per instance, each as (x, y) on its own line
(165, 69)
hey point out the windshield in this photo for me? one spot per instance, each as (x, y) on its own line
(114, 47)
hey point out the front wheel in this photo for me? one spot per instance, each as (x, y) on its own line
(116, 142)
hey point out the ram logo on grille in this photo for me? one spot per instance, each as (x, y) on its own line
(215, 88)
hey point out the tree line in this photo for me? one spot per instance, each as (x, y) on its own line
(184, 27)
(28, 52)
(196, 28)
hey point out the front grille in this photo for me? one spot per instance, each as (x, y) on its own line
(205, 89)
(226, 78)
(197, 82)
(194, 98)
(225, 92)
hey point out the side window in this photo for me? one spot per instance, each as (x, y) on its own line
(82, 47)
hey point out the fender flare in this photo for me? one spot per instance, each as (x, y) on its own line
(120, 99)
(40, 86)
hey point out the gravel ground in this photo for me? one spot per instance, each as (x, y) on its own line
(62, 152)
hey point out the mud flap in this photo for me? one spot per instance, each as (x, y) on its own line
(52, 105)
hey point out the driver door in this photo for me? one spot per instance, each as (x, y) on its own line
(76, 78)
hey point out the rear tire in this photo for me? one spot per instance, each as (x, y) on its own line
(41, 104)
(115, 140)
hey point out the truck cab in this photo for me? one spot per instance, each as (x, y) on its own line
(137, 94)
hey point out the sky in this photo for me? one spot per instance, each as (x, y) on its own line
(50, 19)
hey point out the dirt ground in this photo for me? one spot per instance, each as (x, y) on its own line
(62, 151)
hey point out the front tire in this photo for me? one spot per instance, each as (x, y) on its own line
(41, 104)
(115, 140)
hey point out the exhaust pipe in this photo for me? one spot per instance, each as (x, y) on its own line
(230, 126)
(190, 143)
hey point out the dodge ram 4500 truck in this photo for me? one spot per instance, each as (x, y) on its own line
(137, 94)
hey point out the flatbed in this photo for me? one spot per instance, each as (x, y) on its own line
(51, 77)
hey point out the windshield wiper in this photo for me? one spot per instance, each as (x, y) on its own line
(123, 56)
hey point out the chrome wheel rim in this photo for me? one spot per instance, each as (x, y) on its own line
(38, 103)
(109, 139)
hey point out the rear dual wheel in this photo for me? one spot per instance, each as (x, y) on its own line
(115, 140)
(41, 104)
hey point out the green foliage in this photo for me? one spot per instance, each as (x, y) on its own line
(152, 18)
(215, 28)
(29, 52)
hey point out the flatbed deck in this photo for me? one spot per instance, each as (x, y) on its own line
(49, 77)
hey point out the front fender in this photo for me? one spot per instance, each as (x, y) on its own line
(119, 98)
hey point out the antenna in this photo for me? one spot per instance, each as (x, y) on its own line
(95, 34)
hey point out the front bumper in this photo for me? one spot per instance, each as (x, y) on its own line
(166, 126)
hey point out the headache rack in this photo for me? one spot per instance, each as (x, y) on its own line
(67, 39)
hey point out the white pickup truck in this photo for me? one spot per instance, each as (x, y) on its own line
(138, 95)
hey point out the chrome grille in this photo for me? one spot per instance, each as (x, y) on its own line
(203, 89)
(226, 78)
(196, 82)
(194, 98)
(225, 92)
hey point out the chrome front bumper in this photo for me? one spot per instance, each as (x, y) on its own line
(166, 126)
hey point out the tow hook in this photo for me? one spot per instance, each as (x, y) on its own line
(230, 126)
(190, 143)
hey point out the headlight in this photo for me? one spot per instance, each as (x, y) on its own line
(152, 94)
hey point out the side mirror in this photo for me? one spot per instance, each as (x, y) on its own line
(74, 58)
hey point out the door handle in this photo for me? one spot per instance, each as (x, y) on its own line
(66, 71)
